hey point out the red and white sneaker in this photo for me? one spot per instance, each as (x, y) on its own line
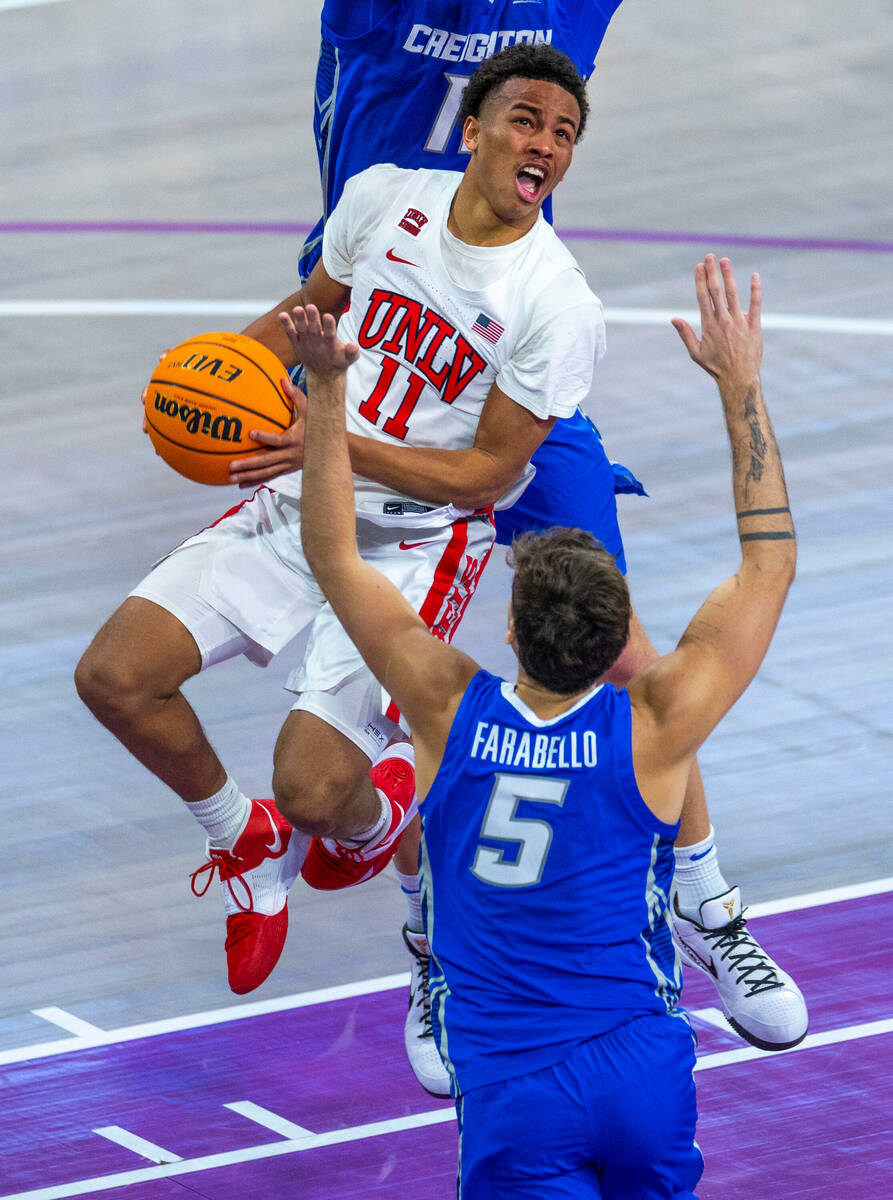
(329, 865)
(255, 877)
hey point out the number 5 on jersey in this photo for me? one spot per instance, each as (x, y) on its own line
(532, 837)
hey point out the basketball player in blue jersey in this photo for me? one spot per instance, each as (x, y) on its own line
(549, 807)
(389, 88)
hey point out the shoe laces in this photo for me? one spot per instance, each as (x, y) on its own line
(755, 969)
(425, 996)
(223, 863)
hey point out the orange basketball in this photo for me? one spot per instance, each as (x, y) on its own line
(204, 397)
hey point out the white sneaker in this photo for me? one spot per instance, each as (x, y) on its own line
(418, 1036)
(759, 1000)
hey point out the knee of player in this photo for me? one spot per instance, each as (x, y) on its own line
(310, 800)
(107, 686)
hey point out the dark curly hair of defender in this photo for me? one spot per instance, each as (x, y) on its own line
(527, 62)
(570, 606)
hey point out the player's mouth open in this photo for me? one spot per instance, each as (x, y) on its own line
(530, 181)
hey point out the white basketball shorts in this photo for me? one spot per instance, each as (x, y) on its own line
(243, 586)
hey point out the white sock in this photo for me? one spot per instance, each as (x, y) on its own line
(410, 886)
(223, 816)
(698, 877)
(370, 835)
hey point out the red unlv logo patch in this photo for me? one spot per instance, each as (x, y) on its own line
(413, 221)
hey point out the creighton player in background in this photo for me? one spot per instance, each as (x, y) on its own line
(549, 808)
(389, 88)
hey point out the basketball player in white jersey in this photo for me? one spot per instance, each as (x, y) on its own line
(477, 331)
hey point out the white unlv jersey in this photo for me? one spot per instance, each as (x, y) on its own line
(438, 321)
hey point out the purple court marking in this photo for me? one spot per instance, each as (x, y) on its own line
(153, 227)
(656, 236)
(816, 1119)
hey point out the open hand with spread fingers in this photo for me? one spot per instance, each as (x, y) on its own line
(730, 347)
(316, 342)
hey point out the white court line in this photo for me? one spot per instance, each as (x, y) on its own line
(385, 983)
(123, 1137)
(790, 322)
(67, 1020)
(711, 1016)
(217, 1016)
(269, 1120)
(133, 308)
(830, 1037)
(357, 1133)
(103, 1183)
(5, 4)
(853, 891)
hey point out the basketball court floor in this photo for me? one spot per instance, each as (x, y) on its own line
(156, 177)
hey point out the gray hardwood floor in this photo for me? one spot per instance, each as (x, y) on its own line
(717, 120)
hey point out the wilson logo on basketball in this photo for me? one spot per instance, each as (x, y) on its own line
(213, 366)
(198, 420)
(205, 399)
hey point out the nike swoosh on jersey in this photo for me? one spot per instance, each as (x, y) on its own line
(275, 847)
(396, 258)
(412, 545)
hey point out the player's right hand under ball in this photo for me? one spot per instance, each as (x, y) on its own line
(286, 451)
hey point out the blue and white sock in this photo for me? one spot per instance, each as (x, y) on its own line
(411, 887)
(698, 877)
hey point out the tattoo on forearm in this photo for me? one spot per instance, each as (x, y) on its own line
(765, 536)
(760, 512)
(759, 443)
(757, 451)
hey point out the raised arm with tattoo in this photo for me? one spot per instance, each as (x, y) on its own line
(684, 695)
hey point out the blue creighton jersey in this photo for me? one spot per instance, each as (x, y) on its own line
(416, 56)
(545, 878)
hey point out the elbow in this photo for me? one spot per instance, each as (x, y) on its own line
(480, 493)
(792, 564)
(788, 564)
(474, 499)
(775, 563)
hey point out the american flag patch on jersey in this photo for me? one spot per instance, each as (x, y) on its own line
(488, 328)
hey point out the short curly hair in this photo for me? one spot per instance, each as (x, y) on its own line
(570, 607)
(524, 61)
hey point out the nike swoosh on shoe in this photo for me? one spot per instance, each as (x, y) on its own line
(275, 847)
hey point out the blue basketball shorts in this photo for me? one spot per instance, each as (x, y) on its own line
(615, 1121)
(575, 485)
